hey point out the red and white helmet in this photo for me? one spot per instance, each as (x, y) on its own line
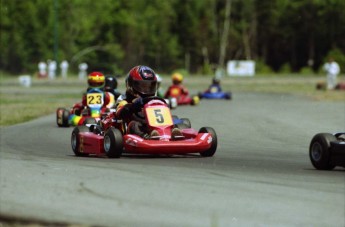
(142, 81)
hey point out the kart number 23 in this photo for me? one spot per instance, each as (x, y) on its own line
(159, 116)
(94, 99)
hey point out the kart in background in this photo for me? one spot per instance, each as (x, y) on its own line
(215, 95)
(188, 100)
(326, 150)
(111, 138)
(183, 99)
(181, 122)
(90, 114)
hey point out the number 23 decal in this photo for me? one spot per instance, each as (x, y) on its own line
(94, 99)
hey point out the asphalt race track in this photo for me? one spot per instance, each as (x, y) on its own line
(260, 175)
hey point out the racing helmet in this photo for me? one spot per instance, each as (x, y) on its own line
(142, 81)
(96, 80)
(216, 80)
(110, 83)
(176, 78)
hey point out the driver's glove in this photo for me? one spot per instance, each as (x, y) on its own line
(137, 104)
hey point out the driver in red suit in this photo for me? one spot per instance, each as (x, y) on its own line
(141, 82)
(176, 89)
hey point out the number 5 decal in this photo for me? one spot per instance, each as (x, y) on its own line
(159, 116)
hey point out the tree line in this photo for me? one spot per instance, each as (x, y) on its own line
(194, 35)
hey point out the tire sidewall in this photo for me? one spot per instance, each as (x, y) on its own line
(113, 137)
(321, 142)
(212, 150)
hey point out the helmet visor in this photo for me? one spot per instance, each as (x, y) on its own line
(96, 83)
(145, 87)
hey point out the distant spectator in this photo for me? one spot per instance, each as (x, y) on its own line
(51, 69)
(64, 68)
(42, 69)
(332, 69)
(82, 70)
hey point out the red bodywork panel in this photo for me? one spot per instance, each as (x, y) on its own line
(193, 142)
(181, 96)
(137, 145)
(91, 143)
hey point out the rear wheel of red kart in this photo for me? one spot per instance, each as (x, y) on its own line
(75, 140)
(210, 152)
(62, 117)
(319, 151)
(113, 143)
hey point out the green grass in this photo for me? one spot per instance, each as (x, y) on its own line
(19, 104)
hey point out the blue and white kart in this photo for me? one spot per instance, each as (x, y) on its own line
(215, 95)
(215, 92)
(181, 123)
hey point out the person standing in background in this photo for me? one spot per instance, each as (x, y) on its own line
(51, 69)
(82, 70)
(42, 69)
(332, 70)
(64, 68)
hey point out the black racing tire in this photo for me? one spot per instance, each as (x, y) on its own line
(228, 96)
(113, 143)
(187, 122)
(75, 140)
(319, 151)
(210, 152)
(65, 118)
(62, 118)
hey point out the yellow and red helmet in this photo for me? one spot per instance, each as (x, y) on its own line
(96, 80)
(176, 78)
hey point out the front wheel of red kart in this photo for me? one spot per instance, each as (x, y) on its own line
(210, 152)
(75, 140)
(319, 152)
(113, 143)
(62, 117)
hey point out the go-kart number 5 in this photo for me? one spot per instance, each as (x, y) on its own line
(93, 99)
(159, 116)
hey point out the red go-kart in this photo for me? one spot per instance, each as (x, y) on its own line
(107, 138)
(182, 98)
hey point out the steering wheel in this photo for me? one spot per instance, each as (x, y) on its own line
(150, 98)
